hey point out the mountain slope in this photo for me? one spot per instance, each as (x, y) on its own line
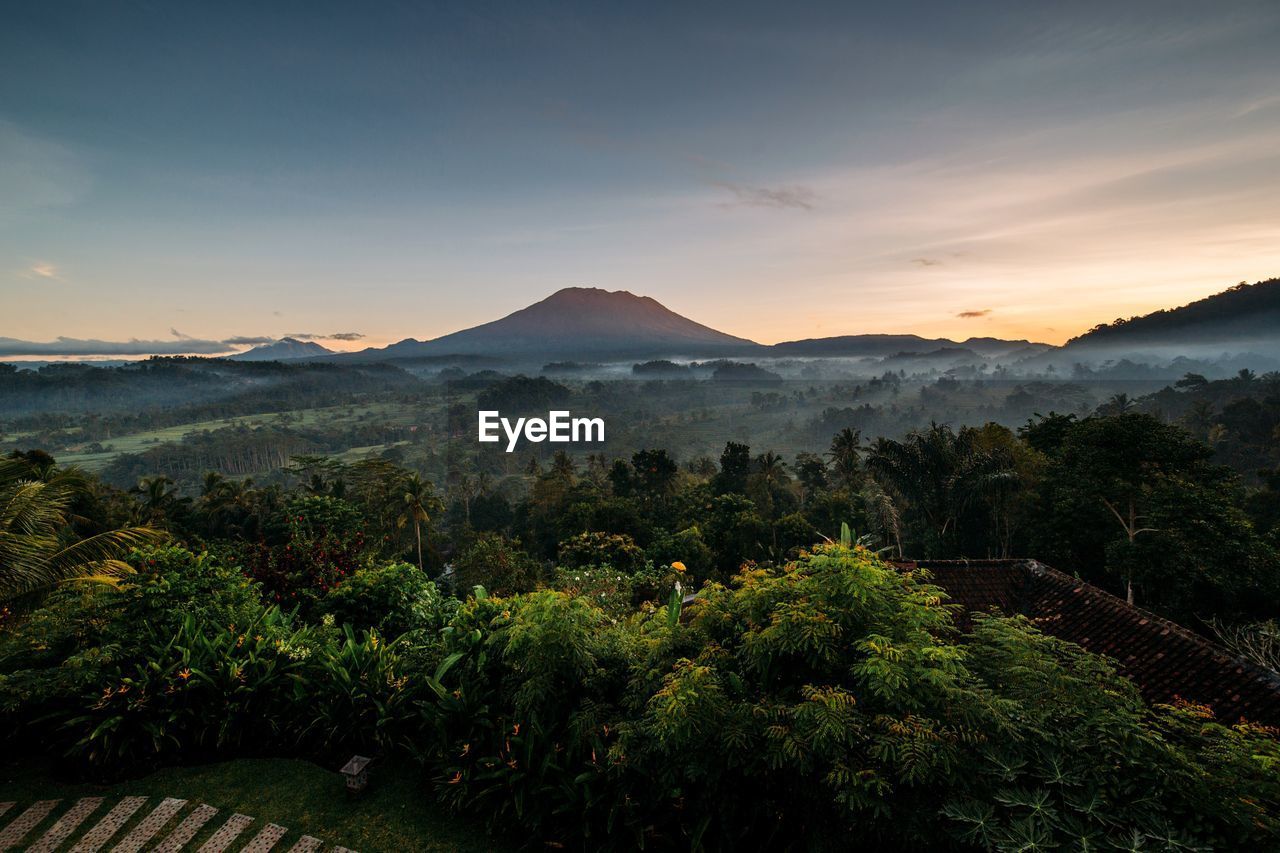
(876, 346)
(282, 350)
(1244, 316)
(579, 320)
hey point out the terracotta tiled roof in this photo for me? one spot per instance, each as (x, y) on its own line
(1164, 660)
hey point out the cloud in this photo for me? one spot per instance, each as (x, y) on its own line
(794, 197)
(85, 347)
(973, 315)
(927, 262)
(179, 335)
(336, 336)
(248, 340)
(41, 269)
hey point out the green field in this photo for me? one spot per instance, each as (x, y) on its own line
(140, 441)
(396, 814)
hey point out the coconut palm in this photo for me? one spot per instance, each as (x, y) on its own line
(414, 503)
(158, 499)
(226, 503)
(38, 547)
(1119, 404)
(772, 469)
(846, 455)
(1200, 418)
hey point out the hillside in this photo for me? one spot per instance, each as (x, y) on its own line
(1242, 317)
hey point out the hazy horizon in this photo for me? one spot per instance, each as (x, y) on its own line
(172, 173)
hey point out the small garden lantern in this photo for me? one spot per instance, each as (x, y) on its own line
(356, 772)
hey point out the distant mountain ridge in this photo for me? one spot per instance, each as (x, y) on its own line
(1241, 316)
(587, 322)
(594, 323)
(874, 346)
(284, 349)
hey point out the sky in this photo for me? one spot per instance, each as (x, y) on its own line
(188, 175)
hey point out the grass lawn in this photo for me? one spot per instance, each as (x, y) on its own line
(396, 813)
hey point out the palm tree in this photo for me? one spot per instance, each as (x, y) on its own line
(213, 481)
(937, 473)
(846, 455)
(1119, 404)
(1199, 419)
(38, 548)
(771, 468)
(465, 486)
(224, 501)
(157, 500)
(413, 508)
(883, 514)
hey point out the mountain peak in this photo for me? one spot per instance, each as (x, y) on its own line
(282, 350)
(583, 320)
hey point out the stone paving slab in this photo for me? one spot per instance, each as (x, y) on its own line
(186, 830)
(143, 832)
(149, 826)
(109, 825)
(25, 822)
(265, 840)
(66, 825)
(226, 834)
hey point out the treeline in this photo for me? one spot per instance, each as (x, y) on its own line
(192, 386)
(1238, 417)
(1126, 501)
(241, 451)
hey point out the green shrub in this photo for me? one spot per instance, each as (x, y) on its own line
(64, 646)
(499, 566)
(524, 729)
(357, 693)
(206, 689)
(685, 546)
(606, 588)
(394, 599)
(173, 582)
(603, 550)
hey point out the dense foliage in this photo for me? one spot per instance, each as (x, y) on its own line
(534, 642)
(825, 698)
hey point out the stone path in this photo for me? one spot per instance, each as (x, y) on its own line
(24, 823)
(54, 824)
(187, 829)
(65, 825)
(223, 838)
(107, 827)
(151, 824)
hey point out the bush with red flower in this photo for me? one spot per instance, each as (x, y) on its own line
(318, 543)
